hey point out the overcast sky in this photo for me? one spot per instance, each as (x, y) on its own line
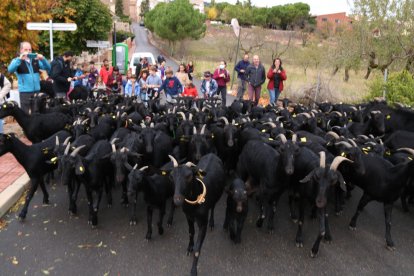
(317, 6)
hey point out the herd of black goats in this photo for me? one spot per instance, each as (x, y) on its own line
(189, 151)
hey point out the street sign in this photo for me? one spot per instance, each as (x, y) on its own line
(97, 44)
(41, 26)
(236, 27)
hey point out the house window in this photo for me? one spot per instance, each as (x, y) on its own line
(337, 21)
(324, 19)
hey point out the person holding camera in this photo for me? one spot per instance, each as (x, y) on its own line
(27, 68)
(276, 76)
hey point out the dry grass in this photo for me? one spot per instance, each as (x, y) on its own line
(220, 43)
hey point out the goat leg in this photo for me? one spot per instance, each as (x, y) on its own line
(133, 218)
(211, 220)
(293, 214)
(44, 190)
(365, 199)
(124, 197)
(321, 234)
(191, 231)
(149, 223)
(239, 228)
(227, 216)
(388, 214)
(328, 236)
(161, 217)
(171, 214)
(404, 201)
(202, 231)
(299, 235)
(29, 196)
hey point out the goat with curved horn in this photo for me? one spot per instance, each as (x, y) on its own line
(270, 124)
(346, 144)
(322, 159)
(67, 140)
(226, 122)
(182, 115)
(57, 141)
(333, 134)
(67, 149)
(203, 129)
(408, 150)
(352, 142)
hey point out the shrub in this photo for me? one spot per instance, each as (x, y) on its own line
(399, 88)
(121, 36)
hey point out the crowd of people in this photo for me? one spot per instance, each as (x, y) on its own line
(149, 81)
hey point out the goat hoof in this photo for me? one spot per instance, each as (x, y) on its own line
(390, 248)
(22, 218)
(299, 244)
(259, 223)
(148, 237)
(189, 251)
(314, 254)
(271, 231)
(237, 240)
(211, 227)
(93, 226)
(294, 221)
(160, 230)
(133, 222)
(352, 228)
(169, 224)
(109, 205)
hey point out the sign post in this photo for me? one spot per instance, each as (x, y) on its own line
(236, 28)
(97, 44)
(50, 26)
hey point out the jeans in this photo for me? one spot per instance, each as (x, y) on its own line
(254, 93)
(223, 91)
(274, 95)
(241, 87)
(171, 98)
(25, 102)
(1, 126)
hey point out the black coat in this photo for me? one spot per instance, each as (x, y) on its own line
(60, 73)
(255, 76)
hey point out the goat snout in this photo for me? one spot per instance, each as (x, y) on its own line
(178, 200)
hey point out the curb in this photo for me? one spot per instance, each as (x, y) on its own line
(12, 193)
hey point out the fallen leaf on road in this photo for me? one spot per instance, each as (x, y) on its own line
(15, 261)
(54, 233)
(19, 233)
(113, 252)
(46, 272)
(99, 244)
(106, 273)
(85, 245)
(46, 221)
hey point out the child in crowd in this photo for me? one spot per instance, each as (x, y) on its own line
(132, 87)
(190, 90)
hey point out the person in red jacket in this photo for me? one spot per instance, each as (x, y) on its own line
(190, 90)
(222, 77)
(276, 76)
(105, 71)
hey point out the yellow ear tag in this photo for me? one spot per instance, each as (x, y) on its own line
(113, 117)
(164, 173)
(236, 124)
(53, 160)
(294, 115)
(350, 120)
(410, 158)
(45, 151)
(388, 117)
(343, 154)
(271, 139)
(388, 153)
(303, 139)
(263, 130)
(81, 168)
(212, 135)
(4, 105)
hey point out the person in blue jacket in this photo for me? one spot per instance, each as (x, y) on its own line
(171, 85)
(132, 87)
(241, 77)
(27, 68)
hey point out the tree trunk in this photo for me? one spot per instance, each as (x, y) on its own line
(346, 77)
(335, 70)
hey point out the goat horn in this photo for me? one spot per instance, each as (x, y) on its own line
(226, 122)
(337, 112)
(353, 143)
(135, 167)
(143, 125)
(175, 163)
(75, 151)
(346, 144)
(353, 108)
(190, 117)
(380, 141)
(270, 124)
(114, 141)
(333, 134)
(337, 161)
(194, 130)
(67, 149)
(322, 159)
(305, 114)
(143, 168)
(183, 115)
(67, 140)
(113, 148)
(282, 137)
(201, 198)
(203, 128)
(196, 109)
(190, 164)
(84, 121)
(57, 140)
(408, 150)
(97, 109)
(294, 138)
(152, 125)
(88, 109)
(363, 136)
(375, 112)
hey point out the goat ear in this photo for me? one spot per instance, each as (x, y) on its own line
(341, 181)
(79, 168)
(307, 178)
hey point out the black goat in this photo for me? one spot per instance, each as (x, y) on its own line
(34, 160)
(236, 209)
(36, 127)
(197, 190)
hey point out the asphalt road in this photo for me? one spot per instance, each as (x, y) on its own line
(51, 242)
